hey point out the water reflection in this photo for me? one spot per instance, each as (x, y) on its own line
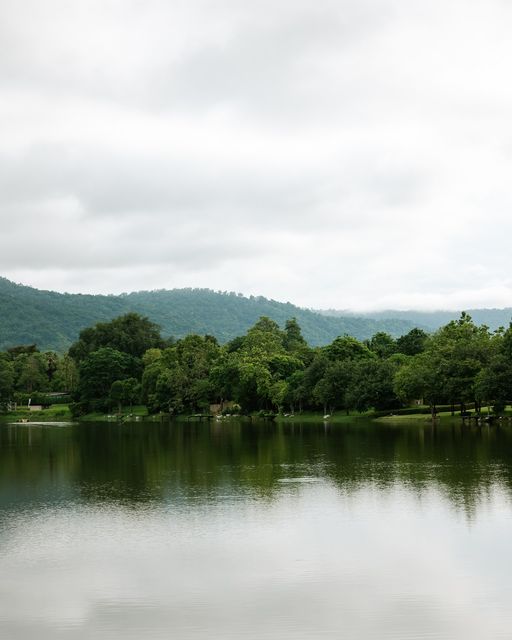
(240, 530)
(134, 463)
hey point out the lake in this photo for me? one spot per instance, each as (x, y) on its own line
(255, 531)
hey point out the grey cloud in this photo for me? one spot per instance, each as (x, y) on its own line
(250, 57)
(262, 68)
(110, 183)
(339, 153)
(123, 244)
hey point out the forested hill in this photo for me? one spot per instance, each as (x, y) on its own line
(53, 320)
(433, 320)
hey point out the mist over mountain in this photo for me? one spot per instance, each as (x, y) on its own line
(53, 320)
(431, 320)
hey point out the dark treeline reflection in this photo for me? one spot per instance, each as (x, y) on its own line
(134, 463)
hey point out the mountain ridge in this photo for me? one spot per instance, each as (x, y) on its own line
(53, 320)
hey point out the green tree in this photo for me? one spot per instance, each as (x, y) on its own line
(117, 394)
(371, 385)
(66, 375)
(312, 376)
(297, 393)
(465, 350)
(423, 378)
(293, 340)
(347, 348)
(254, 370)
(412, 343)
(131, 391)
(52, 364)
(382, 344)
(99, 370)
(6, 378)
(331, 389)
(278, 392)
(170, 390)
(131, 334)
(21, 349)
(493, 383)
(31, 372)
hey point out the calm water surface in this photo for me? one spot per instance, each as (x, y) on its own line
(238, 530)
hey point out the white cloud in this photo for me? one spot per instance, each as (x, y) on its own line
(334, 154)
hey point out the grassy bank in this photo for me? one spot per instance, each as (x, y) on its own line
(311, 416)
(57, 413)
(140, 411)
(61, 412)
(443, 416)
(128, 413)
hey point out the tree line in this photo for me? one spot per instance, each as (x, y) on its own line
(270, 369)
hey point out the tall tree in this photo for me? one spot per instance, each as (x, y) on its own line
(99, 370)
(6, 378)
(412, 343)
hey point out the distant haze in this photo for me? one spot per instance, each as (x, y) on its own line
(347, 154)
(432, 320)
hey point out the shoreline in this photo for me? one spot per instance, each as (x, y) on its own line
(140, 414)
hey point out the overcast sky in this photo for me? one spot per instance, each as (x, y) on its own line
(353, 154)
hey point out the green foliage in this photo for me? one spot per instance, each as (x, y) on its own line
(348, 348)
(293, 340)
(131, 334)
(40, 398)
(66, 375)
(14, 352)
(382, 344)
(99, 370)
(255, 373)
(268, 369)
(31, 372)
(450, 366)
(117, 392)
(28, 372)
(371, 385)
(412, 343)
(330, 391)
(124, 392)
(494, 382)
(179, 376)
(6, 378)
